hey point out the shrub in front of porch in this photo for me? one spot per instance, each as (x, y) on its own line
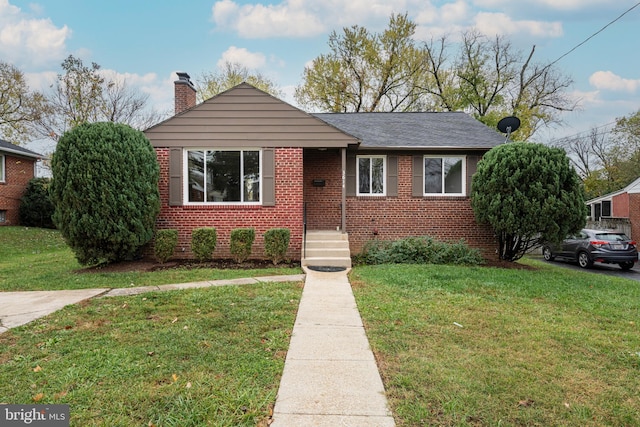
(418, 250)
(241, 242)
(165, 244)
(276, 244)
(203, 243)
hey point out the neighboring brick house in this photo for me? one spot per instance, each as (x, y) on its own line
(17, 168)
(247, 159)
(618, 210)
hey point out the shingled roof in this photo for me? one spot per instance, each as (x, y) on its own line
(8, 147)
(442, 130)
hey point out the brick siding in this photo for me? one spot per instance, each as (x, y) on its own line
(390, 218)
(18, 172)
(287, 212)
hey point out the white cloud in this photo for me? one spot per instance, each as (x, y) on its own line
(500, 23)
(606, 80)
(308, 18)
(236, 55)
(26, 41)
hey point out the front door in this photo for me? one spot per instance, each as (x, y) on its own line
(323, 188)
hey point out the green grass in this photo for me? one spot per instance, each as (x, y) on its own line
(39, 259)
(206, 357)
(547, 347)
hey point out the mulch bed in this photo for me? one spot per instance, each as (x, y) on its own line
(148, 265)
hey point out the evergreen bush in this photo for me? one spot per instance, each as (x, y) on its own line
(276, 244)
(529, 194)
(203, 243)
(36, 209)
(165, 244)
(241, 242)
(418, 250)
(105, 191)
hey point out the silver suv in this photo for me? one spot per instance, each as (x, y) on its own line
(589, 246)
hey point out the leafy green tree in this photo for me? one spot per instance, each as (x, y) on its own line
(20, 108)
(105, 191)
(530, 194)
(493, 80)
(390, 71)
(607, 160)
(229, 75)
(83, 94)
(367, 71)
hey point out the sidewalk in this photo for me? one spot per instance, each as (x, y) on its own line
(330, 376)
(20, 308)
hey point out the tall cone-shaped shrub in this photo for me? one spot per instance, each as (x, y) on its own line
(530, 194)
(105, 191)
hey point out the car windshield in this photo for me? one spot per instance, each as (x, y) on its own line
(612, 237)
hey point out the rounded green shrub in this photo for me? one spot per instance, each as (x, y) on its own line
(36, 209)
(276, 244)
(105, 191)
(165, 244)
(241, 242)
(529, 194)
(203, 243)
(418, 250)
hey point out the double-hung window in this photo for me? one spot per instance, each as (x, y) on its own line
(371, 175)
(223, 176)
(444, 175)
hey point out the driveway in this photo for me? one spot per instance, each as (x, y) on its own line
(598, 268)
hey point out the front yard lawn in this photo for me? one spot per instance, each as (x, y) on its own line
(476, 346)
(205, 357)
(34, 259)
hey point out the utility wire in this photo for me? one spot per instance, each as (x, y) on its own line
(576, 47)
(596, 33)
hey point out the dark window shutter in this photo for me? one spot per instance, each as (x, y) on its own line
(392, 176)
(268, 177)
(175, 177)
(418, 176)
(351, 174)
(472, 167)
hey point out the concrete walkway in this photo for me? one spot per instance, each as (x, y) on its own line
(330, 376)
(20, 308)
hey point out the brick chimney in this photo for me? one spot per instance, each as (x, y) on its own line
(185, 93)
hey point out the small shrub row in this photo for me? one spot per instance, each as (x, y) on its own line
(203, 243)
(418, 250)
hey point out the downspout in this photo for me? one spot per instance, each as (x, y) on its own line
(343, 205)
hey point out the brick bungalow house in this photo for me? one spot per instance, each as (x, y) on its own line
(247, 159)
(17, 168)
(618, 210)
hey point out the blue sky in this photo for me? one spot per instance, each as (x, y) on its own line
(147, 41)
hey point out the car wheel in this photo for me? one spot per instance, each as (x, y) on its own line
(547, 254)
(626, 265)
(584, 260)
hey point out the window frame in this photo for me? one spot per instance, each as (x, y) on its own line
(384, 175)
(185, 161)
(463, 178)
(3, 168)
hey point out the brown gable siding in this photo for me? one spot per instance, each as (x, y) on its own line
(246, 117)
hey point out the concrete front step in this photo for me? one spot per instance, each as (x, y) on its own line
(326, 248)
(328, 252)
(327, 262)
(326, 235)
(339, 244)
